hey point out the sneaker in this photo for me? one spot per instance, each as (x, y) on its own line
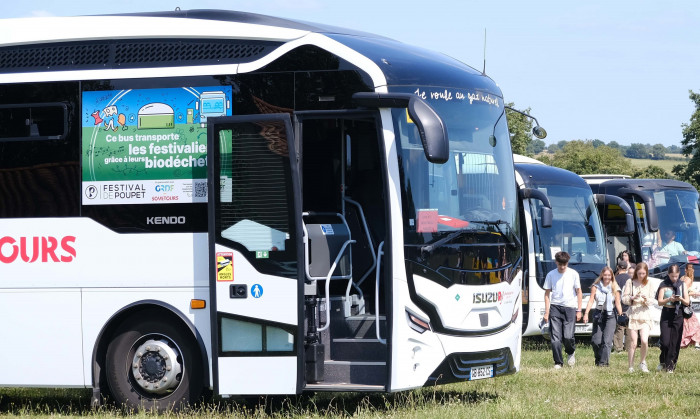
(670, 371)
(571, 359)
(697, 346)
(661, 367)
(557, 367)
(643, 367)
(631, 369)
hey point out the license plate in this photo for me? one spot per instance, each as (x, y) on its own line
(477, 373)
(583, 328)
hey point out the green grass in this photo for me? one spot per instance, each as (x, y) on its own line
(537, 390)
(667, 165)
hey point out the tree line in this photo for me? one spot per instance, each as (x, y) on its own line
(632, 151)
(594, 156)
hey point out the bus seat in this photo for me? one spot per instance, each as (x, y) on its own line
(326, 235)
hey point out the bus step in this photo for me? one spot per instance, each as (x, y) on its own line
(355, 373)
(360, 326)
(366, 349)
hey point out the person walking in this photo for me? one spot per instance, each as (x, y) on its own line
(562, 308)
(606, 295)
(639, 296)
(619, 342)
(672, 295)
(625, 255)
(691, 326)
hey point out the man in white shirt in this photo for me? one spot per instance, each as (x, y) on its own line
(562, 308)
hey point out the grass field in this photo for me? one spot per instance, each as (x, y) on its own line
(667, 165)
(537, 390)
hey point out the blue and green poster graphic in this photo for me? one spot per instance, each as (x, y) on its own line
(144, 146)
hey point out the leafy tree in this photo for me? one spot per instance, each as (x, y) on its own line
(637, 151)
(545, 159)
(652, 172)
(553, 148)
(597, 143)
(614, 144)
(582, 158)
(679, 171)
(520, 128)
(674, 149)
(658, 152)
(691, 145)
(536, 146)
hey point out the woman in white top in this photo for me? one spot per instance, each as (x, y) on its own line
(639, 295)
(606, 294)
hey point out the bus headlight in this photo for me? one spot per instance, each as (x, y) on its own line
(416, 323)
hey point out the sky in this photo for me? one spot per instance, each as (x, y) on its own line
(598, 69)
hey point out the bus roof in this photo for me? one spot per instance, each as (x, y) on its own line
(613, 185)
(540, 174)
(604, 177)
(51, 44)
(519, 158)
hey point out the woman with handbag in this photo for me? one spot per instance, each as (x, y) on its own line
(639, 295)
(606, 295)
(672, 296)
(691, 325)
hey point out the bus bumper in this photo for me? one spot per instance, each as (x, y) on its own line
(471, 366)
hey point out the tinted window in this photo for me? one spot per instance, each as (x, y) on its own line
(39, 150)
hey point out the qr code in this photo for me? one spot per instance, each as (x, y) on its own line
(200, 189)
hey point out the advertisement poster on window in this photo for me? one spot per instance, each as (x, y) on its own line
(148, 146)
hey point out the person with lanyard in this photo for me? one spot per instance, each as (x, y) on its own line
(639, 295)
(606, 294)
(671, 295)
(562, 299)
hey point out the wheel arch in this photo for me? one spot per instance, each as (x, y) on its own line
(103, 338)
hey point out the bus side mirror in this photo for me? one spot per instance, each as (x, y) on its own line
(546, 217)
(546, 211)
(649, 206)
(606, 200)
(629, 224)
(431, 128)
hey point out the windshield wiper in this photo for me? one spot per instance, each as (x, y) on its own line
(497, 224)
(428, 248)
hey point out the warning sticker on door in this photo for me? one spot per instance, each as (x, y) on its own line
(224, 266)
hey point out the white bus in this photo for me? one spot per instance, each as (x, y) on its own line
(343, 217)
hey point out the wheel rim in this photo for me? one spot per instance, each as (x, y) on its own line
(156, 366)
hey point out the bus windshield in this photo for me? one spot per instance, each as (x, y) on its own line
(576, 229)
(460, 217)
(475, 185)
(678, 238)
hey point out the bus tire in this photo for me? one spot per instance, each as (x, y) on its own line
(152, 364)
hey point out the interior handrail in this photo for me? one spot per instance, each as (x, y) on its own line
(380, 253)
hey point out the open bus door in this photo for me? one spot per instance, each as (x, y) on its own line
(255, 255)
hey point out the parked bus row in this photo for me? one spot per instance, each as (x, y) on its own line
(594, 218)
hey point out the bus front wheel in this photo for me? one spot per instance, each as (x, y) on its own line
(152, 364)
